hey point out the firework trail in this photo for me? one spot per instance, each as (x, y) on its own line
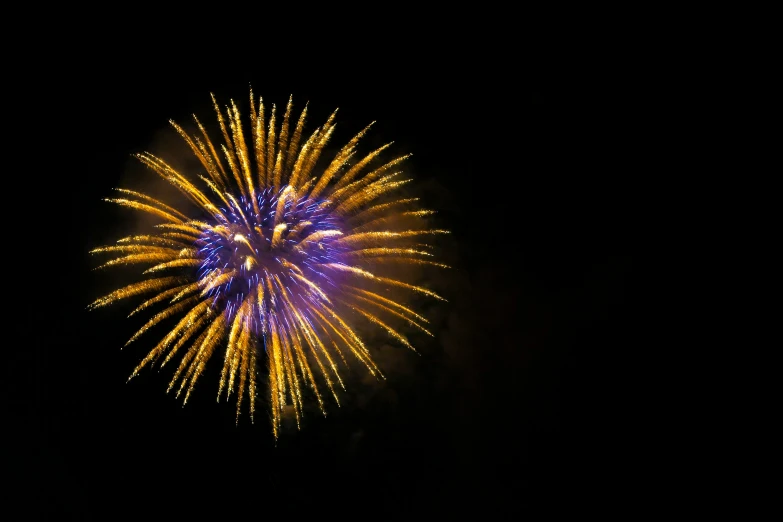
(278, 260)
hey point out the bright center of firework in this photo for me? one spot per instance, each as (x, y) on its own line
(259, 247)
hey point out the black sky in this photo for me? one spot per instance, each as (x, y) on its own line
(530, 157)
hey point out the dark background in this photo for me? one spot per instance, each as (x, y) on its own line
(528, 149)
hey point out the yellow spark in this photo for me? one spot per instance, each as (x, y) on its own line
(348, 268)
(315, 237)
(150, 285)
(373, 252)
(173, 264)
(163, 296)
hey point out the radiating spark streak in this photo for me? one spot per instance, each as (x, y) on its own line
(212, 155)
(270, 149)
(259, 142)
(155, 240)
(275, 359)
(191, 229)
(232, 357)
(389, 302)
(293, 146)
(383, 209)
(137, 258)
(317, 326)
(408, 261)
(198, 151)
(348, 268)
(144, 208)
(291, 377)
(296, 174)
(136, 249)
(157, 203)
(339, 160)
(230, 347)
(312, 342)
(372, 192)
(183, 237)
(168, 312)
(409, 287)
(244, 160)
(359, 166)
(273, 258)
(394, 333)
(242, 362)
(283, 141)
(153, 355)
(163, 296)
(222, 123)
(356, 348)
(150, 285)
(252, 386)
(190, 353)
(368, 184)
(238, 208)
(315, 341)
(173, 264)
(393, 312)
(205, 352)
(176, 179)
(377, 252)
(215, 190)
(385, 235)
(189, 289)
(420, 213)
(316, 237)
(314, 287)
(317, 147)
(200, 350)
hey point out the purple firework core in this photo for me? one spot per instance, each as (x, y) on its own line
(246, 245)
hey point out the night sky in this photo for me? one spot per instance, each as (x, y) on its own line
(529, 160)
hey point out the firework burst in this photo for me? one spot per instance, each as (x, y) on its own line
(277, 259)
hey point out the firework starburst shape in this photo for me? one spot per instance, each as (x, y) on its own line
(276, 259)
